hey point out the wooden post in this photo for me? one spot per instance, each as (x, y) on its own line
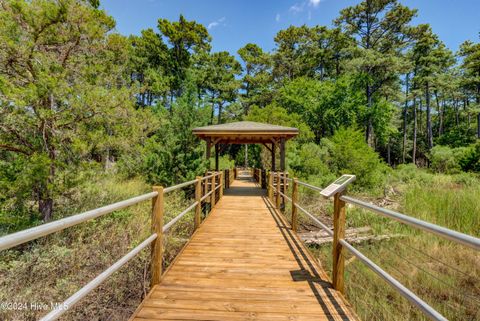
(212, 197)
(222, 184)
(282, 154)
(260, 178)
(216, 157)
(198, 196)
(270, 186)
(338, 233)
(157, 227)
(277, 203)
(207, 156)
(294, 203)
(273, 157)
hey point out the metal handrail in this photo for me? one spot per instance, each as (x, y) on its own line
(167, 226)
(206, 195)
(80, 294)
(458, 237)
(210, 176)
(33, 233)
(446, 233)
(316, 220)
(14, 239)
(404, 291)
(175, 187)
(315, 188)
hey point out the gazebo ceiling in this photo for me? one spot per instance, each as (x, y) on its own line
(244, 132)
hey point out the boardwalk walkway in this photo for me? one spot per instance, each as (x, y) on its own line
(244, 263)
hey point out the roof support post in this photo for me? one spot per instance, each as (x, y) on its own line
(273, 157)
(207, 155)
(216, 157)
(282, 154)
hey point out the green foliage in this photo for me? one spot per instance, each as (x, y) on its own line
(349, 154)
(310, 163)
(324, 105)
(276, 115)
(444, 159)
(470, 160)
(68, 98)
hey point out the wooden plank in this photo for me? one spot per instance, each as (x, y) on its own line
(244, 263)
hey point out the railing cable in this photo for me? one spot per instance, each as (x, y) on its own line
(77, 296)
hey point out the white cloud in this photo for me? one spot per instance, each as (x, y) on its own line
(314, 3)
(297, 7)
(277, 17)
(216, 23)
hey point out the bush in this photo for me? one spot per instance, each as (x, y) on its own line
(443, 160)
(470, 160)
(311, 164)
(350, 154)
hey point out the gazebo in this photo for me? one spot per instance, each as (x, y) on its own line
(247, 132)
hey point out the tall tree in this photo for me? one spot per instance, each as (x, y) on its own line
(431, 59)
(257, 78)
(61, 84)
(185, 39)
(471, 66)
(380, 29)
(222, 84)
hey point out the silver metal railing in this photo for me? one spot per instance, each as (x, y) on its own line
(446, 233)
(14, 239)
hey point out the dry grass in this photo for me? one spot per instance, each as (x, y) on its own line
(54, 267)
(444, 274)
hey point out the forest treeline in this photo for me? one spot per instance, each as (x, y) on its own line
(77, 98)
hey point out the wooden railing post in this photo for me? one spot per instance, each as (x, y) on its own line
(260, 178)
(294, 204)
(157, 227)
(212, 197)
(277, 201)
(198, 196)
(338, 234)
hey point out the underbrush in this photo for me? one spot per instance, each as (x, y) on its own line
(441, 272)
(52, 268)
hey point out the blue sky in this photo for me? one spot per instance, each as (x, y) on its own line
(234, 23)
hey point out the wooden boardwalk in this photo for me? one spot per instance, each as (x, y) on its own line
(244, 263)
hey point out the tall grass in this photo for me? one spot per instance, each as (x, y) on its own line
(444, 274)
(52, 268)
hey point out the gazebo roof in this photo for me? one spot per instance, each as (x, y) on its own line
(245, 132)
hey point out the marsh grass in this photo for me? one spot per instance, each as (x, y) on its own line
(444, 274)
(52, 268)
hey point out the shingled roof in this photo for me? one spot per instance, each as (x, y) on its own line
(245, 126)
(245, 132)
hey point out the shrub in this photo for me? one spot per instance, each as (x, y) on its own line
(311, 163)
(350, 154)
(470, 160)
(443, 160)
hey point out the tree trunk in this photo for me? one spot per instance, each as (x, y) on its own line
(457, 113)
(213, 112)
(478, 125)
(389, 159)
(45, 207)
(220, 107)
(369, 126)
(405, 121)
(414, 152)
(429, 117)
